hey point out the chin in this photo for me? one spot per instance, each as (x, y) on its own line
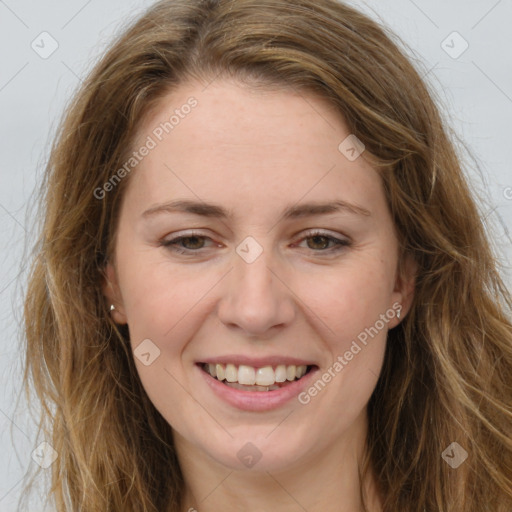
(257, 453)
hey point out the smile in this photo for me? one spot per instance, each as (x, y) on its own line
(249, 378)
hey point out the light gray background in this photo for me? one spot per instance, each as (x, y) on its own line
(475, 90)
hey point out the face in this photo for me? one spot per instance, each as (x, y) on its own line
(227, 254)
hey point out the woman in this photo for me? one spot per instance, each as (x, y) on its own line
(259, 370)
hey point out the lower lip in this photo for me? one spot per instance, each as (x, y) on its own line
(257, 400)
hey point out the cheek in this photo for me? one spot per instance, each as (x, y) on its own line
(352, 312)
(348, 300)
(158, 296)
(164, 302)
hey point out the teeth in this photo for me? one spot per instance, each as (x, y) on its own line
(231, 373)
(281, 373)
(246, 375)
(251, 388)
(219, 370)
(265, 376)
(300, 371)
(249, 376)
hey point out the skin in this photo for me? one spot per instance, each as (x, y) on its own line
(256, 152)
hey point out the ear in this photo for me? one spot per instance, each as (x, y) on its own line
(112, 293)
(405, 284)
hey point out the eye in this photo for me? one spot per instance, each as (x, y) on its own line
(194, 242)
(321, 239)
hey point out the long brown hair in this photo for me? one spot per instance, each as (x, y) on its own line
(447, 374)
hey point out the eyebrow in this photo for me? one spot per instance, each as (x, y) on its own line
(291, 212)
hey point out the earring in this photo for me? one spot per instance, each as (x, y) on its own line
(112, 307)
(399, 312)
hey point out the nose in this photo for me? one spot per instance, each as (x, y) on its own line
(256, 298)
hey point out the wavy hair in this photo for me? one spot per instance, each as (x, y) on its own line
(447, 372)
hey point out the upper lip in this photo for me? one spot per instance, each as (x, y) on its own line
(257, 362)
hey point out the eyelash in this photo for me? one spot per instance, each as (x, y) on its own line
(339, 243)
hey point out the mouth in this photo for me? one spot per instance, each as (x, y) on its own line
(248, 378)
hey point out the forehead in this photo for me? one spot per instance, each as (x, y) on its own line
(250, 147)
